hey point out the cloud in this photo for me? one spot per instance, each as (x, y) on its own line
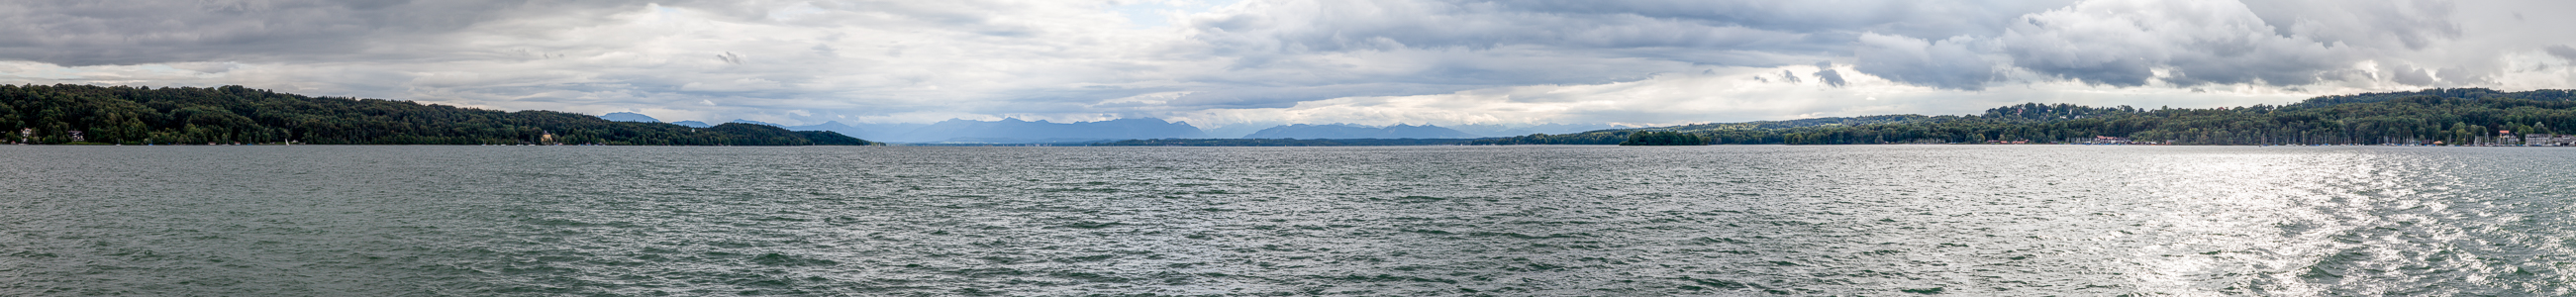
(2461, 76)
(1728, 94)
(1282, 52)
(2134, 43)
(884, 57)
(2561, 51)
(2192, 42)
(731, 58)
(800, 62)
(1956, 63)
(2387, 24)
(1828, 76)
(81, 33)
(2408, 75)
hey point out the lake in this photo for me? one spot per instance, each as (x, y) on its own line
(1987, 220)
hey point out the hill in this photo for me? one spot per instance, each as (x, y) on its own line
(2445, 116)
(1351, 131)
(234, 114)
(629, 117)
(757, 123)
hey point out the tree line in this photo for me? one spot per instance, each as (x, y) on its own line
(67, 114)
(1663, 138)
(2446, 116)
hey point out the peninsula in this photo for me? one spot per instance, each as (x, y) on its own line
(84, 114)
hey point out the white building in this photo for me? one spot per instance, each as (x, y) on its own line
(2537, 139)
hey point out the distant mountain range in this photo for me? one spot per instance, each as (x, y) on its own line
(863, 130)
(1012, 130)
(1352, 131)
(1237, 130)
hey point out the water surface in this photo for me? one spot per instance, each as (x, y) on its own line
(1506, 221)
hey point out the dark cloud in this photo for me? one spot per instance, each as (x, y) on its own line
(1499, 43)
(1955, 63)
(1828, 76)
(730, 58)
(2132, 43)
(2561, 51)
(1332, 26)
(2407, 24)
(1633, 26)
(1912, 18)
(75, 33)
(2408, 75)
(2121, 43)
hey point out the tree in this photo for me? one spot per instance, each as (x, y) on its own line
(1664, 138)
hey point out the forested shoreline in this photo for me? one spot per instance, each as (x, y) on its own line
(85, 114)
(2446, 116)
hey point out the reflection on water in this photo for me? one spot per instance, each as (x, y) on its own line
(1525, 220)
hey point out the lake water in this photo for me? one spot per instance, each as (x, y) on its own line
(1394, 221)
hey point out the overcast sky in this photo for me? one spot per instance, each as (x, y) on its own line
(1219, 63)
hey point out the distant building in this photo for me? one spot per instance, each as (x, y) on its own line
(2537, 139)
(76, 135)
(2099, 140)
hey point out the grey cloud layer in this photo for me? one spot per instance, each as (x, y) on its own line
(2186, 43)
(807, 61)
(2561, 51)
(80, 33)
(1334, 48)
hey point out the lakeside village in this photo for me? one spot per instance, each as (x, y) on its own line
(28, 135)
(2502, 138)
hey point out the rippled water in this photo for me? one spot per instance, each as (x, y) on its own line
(1511, 221)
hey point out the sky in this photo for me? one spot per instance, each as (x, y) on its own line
(1267, 62)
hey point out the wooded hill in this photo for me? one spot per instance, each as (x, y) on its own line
(235, 114)
(2447, 115)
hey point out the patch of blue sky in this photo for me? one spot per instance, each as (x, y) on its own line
(1158, 14)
